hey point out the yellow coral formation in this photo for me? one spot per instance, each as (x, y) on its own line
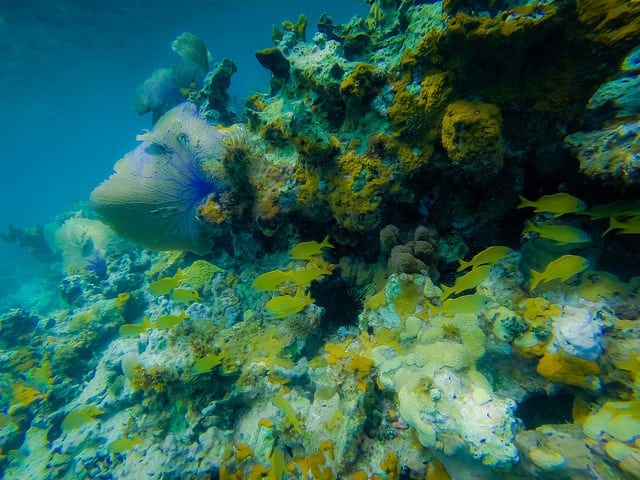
(243, 451)
(418, 114)
(363, 83)
(359, 186)
(390, 465)
(472, 137)
(611, 21)
(122, 299)
(153, 378)
(562, 368)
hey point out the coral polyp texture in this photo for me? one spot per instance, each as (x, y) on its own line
(415, 256)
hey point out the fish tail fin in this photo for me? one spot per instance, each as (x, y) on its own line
(524, 203)
(302, 292)
(325, 243)
(146, 324)
(463, 265)
(529, 227)
(446, 292)
(614, 224)
(536, 278)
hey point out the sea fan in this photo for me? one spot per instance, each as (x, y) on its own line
(154, 194)
(97, 264)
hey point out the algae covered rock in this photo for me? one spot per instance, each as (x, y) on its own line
(472, 137)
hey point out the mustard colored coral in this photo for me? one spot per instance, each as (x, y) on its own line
(472, 137)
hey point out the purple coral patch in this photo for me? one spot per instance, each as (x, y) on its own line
(154, 193)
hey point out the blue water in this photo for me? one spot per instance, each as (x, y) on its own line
(68, 75)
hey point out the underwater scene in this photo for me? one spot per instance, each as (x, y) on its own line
(407, 248)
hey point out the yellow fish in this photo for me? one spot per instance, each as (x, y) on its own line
(270, 280)
(562, 234)
(135, 329)
(490, 255)
(614, 209)
(556, 204)
(463, 305)
(630, 225)
(289, 412)
(284, 305)
(310, 273)
(206, 364)
(77, 419)
(467, 281)
(185, 296)
(278, 464)
(121, 445)
(306, 250)
(169, 321)
(562, 268)
(598, 285)
(166, 284)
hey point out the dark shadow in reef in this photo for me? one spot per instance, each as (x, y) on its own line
(540, 409)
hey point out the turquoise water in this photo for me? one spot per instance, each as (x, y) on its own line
(69, 75)
(399, 242)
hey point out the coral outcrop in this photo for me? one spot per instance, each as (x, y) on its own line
(350, 282)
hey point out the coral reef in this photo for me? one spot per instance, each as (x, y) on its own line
(350, 282)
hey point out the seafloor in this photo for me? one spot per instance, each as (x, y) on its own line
(416, 257)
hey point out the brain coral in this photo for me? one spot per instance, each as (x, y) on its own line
(163, 193)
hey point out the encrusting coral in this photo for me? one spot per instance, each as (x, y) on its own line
(423, 337)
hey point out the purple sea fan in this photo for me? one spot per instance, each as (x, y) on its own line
(98, 265)
(154, 194)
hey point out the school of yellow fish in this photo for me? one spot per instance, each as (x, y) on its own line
(623, 216)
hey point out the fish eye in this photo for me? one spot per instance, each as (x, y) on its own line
(582, 206)
(585, 236)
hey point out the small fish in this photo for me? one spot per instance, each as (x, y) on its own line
(206, 364)
(169, 321)
(135, 329)
(306, 250)
(122, 445)
(562, 268)
(289, 412)
(630, 225)
(598, 285)
(562, 234)
(284, 305)
(463, 305)
(310, 273)
(166, 284)
(467, 281)
(77, 419)
(614, 209)
(278, 464)
(490, 255)
(556, 204)
(185, 295)
(270, 280)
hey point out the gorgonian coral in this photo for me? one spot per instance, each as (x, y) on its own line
(168, 192)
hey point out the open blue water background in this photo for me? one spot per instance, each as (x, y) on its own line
(68, 74)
